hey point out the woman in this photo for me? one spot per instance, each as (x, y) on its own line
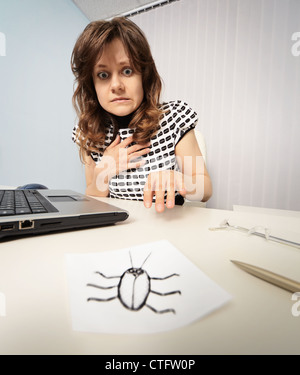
(133, 147)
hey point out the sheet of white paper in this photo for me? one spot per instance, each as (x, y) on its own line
(198, 296)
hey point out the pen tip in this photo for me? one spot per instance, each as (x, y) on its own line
(238, 264)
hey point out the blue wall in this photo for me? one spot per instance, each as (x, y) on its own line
(36, 86)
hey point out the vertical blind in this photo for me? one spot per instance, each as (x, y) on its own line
(234, 62)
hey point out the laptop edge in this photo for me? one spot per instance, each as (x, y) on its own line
(74, 211)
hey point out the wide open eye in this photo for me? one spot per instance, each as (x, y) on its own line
(103, 75)
(127, 72)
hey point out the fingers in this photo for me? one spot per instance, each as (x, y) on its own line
(115, 142)
(160, 184)
(133, 156)
(125, 157)
(179, 183)
(136, 164)
(138, 154)
(138, 146)
(148, 192)
(170, 201)
(126, 141)
(134, 151)
(164, 183)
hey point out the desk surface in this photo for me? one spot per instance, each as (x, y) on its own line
(258, 319)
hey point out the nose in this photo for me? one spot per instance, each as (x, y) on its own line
(117, 83)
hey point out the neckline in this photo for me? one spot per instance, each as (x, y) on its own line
(122, 121)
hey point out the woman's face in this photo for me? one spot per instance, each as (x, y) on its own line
(118, 86)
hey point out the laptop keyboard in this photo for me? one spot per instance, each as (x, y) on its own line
(18, 202)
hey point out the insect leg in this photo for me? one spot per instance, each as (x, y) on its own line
(161, 311)
(107, 277)
(164, 278)
(166, 294)
(101, 299)
(102, 287)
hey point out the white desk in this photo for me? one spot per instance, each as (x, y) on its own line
(268, 211)
(258, 320)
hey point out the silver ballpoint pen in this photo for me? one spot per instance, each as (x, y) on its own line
(270, 277)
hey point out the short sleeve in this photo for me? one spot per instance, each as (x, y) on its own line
(182, 118)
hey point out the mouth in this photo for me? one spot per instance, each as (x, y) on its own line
(120, 99)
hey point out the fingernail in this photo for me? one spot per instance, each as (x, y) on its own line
(160, 207)
(169, 204)
(147, 204)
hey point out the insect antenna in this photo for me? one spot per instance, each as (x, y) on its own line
(130, 259)
(142, 263)
(145, 261)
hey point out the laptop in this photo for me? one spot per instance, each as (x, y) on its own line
(31, 211)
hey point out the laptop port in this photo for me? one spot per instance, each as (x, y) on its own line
(26, 224)
(6, 227)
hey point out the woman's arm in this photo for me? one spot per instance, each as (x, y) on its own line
(118, 156)
(196, 179)
(92, 172)
(192, 182)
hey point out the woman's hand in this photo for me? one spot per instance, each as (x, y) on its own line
(159, 183)
(119, 156)
(116, 158)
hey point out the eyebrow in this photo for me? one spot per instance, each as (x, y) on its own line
(121, 63)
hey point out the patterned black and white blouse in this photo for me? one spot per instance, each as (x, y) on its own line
(177, 120)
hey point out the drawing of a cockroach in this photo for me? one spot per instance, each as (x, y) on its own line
(134, 288)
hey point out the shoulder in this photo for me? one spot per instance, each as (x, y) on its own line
(178, 117)
(178, 106)
(179, 113)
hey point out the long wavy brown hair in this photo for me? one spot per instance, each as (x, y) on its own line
(92, 118)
